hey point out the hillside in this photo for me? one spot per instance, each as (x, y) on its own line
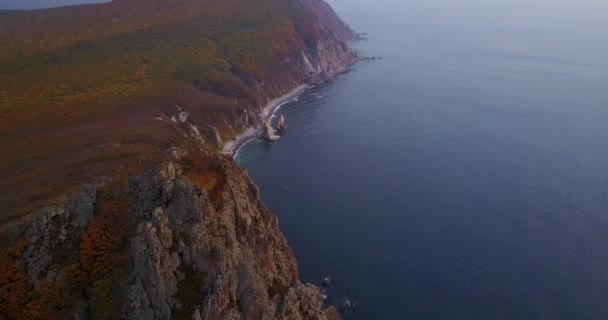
(62, 64)
(95, 90)
(113, 202)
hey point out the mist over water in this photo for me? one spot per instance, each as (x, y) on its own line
(464, 175)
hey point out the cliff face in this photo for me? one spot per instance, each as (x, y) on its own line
(196, 243)
(102, 93)
(236, 253)
(316, 50)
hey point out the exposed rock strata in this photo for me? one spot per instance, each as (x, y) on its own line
(246, 267)
(194, 253)
(191, 255)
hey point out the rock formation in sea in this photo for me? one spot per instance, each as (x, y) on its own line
(281, 126)
(268, 132)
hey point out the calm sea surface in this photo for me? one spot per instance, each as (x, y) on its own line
(464, 175)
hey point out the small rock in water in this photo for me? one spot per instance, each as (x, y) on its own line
(347, 304)
(326, 282)
(281, 126)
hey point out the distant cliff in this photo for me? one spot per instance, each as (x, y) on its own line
(131, 99)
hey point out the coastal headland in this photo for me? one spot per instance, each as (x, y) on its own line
(118, 198)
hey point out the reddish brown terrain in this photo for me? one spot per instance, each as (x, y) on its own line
(89, 88)
(113, 201)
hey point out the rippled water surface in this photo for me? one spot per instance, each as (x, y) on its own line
(463, 176)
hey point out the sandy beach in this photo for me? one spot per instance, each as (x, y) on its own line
(232, 146)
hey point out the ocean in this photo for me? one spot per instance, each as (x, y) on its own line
(462, 176)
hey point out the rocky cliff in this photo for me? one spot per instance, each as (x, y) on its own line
(177, 242)
(131, 99)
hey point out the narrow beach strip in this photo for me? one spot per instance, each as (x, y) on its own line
(231, 147)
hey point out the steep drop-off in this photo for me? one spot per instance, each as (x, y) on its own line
(131, 99)
(175, 242)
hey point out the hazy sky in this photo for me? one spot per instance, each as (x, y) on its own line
(34, 4)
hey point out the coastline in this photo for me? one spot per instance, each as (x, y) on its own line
(232, 146)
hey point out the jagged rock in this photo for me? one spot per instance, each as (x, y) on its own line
(196, 135)
(197, 315)
(177, 152)
(233, 253)
(268, 132)
(217, 138)
(282, 127)
(326, 282)
(243, 121)
(81, 206)
(231, 257)
(56, 232)
(153, 269)
(243, 264)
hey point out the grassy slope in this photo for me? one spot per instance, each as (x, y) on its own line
(81, 87)
(64, 64)
(81, 91)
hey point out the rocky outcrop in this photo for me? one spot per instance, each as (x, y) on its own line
(217, 138)
(234, 255)
(194, 252)
(281, 126)
(181, 242)
(268, 132)
(55, 235)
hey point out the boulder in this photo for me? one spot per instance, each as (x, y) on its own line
(282, 127)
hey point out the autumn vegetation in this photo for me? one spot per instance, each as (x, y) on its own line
(67, 64)
(82, 87)
(92, 278)
(86, 94)
(207, 173)
(92, 275)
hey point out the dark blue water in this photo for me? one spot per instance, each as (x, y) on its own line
(465, 175)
